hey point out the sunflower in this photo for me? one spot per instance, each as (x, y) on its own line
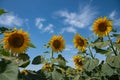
(102, 26)
(24, 72)
(78, 61)
(47, 67)
(80, 42)
(57, 43)
(118, 42)
(16, 41)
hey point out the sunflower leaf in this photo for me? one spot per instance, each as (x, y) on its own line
(38, 60)
(107, 70)
(24, 64)
(116, 35)
(31, 45)
(91, 64)
(2, 11)
(23, 57)
(101, 51)
(57, 76)
(113, 61)
(100, 44)
(46, 52)
(10, 73)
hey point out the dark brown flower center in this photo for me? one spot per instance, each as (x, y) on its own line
(16, 40)
(56, 44)
(79, 62)
(81, 42)
(102, 27)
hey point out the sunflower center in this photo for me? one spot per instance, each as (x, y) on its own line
(80, 42)
(16, 40)
(56, 44)
(79, 62)
(102, 27)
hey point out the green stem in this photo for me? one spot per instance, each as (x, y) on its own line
(52, 54)
(112, 45)
(91, 52)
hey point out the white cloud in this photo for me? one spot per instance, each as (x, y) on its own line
(10, 20)
(81, 19)
(49, 28)
(70, 49)
(76, 20)
(112, 14)
(114, 17)
(44, 28)
(38, 22)
(68, 29)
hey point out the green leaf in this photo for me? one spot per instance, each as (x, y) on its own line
(100, 44)
(116, 35)
(62, 63)
(31, 45)
(4, 29)
(46, 52)
(116, 45)
(24, 64)
(3, 52)
(107, 70)
(11, 72)
(23, 57)
(113, 61)
(91, 64)
(38, 60)
(99, 39)
(101, 51)
(77, 77)
(2, 11)
(57, 76)
(47, 45)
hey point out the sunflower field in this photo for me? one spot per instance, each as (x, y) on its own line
(13, 55)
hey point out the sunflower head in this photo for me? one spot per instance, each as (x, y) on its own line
(79, 42)
(57, 43)
(24, 72)
(78, 61)
(102, 26)
(47, 67)
(16, 41)
(118, 42)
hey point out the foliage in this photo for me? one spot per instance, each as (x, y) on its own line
(55, 68)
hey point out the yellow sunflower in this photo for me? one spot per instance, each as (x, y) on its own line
(102, 26)
(118, 42)
(57, 43)
(16, 41)
(78, 61)
(24, 72)
(47, 67)
(79, 42)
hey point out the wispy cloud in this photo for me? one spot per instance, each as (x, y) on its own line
(114, 16)
(44, 28)
(71, 49)
(10, 20)
(68, 29)
(81, 19)
(49, 28)
(38, 22)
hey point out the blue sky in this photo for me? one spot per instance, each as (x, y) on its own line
(44, 18)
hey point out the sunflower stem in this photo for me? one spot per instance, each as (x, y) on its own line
(112, 45)
(52, 54)
(91, 53)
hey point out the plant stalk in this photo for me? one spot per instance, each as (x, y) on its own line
(91, 52)
(112, 45)
(51, 54)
